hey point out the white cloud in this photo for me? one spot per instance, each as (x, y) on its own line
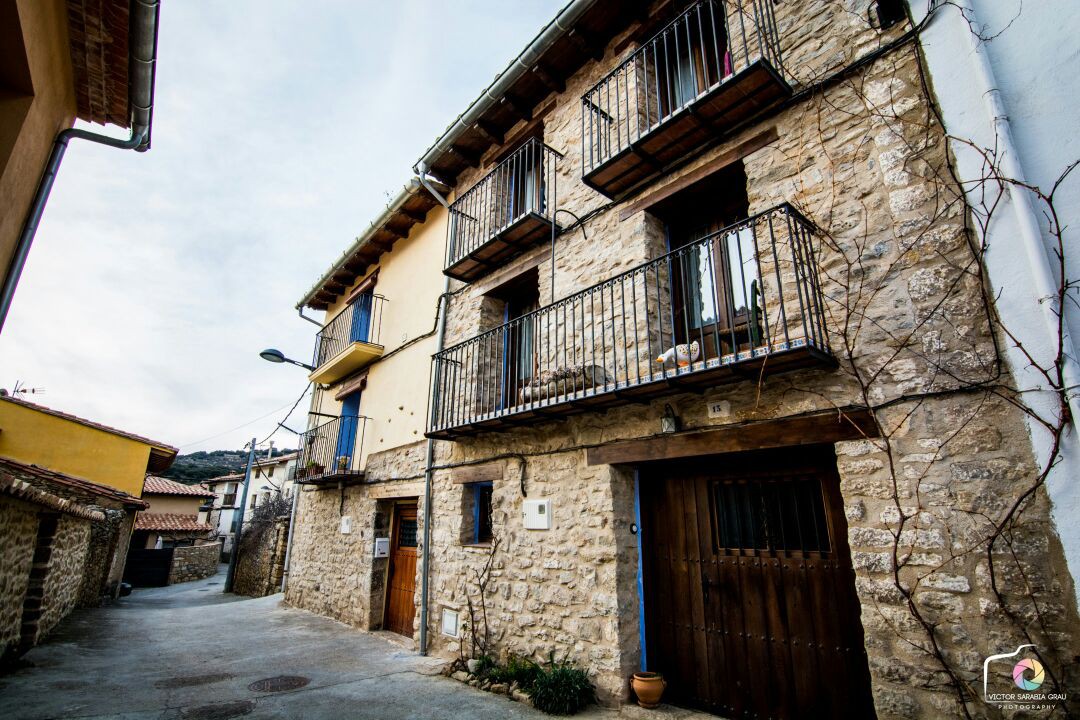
(156, 278)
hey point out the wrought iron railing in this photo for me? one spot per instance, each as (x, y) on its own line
(745, 293)
(332, 449)
(521, 185)
(360, 321)
(705, 47)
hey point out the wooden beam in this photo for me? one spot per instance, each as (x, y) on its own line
(823, 427)
(470, 158)
(585, 42)
(488, 132)
(517, 105)
(414, 215)
(551, 82)
(396, 232)
(721, 161)
(487, 472)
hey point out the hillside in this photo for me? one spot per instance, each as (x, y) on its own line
(198, 466)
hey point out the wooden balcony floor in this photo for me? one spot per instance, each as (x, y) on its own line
(517, 237)
(725, 107)
(746, 366)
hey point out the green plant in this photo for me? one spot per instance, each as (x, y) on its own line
(516, 670)
(485, 666)
(561, 688)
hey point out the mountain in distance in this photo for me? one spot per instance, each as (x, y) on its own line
(193, 468)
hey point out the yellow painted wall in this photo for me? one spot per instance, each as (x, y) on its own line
(32, 436)
(179, 504)
(411, 279)
(30, 122)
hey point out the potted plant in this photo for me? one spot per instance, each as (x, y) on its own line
(648, 686)
(342, 463)
(313, 468)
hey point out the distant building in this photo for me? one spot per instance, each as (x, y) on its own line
(269, 476)
(175, 517)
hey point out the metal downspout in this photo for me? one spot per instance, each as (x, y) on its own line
(143, 58)
(425, 553)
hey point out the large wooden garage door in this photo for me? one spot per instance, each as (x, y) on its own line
(750, 606)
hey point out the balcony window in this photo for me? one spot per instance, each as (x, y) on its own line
(350, 341)
(508, 211)
(331, 451)
(713, 69)
(741, 301)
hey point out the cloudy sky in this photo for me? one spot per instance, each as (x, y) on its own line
(281, 129)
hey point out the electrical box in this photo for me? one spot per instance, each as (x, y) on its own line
(382, 547)
(449, 622)
(537, 514)
(346, 524)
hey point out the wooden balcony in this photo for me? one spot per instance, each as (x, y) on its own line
(510, 210)
(714, 69)
(735, 306)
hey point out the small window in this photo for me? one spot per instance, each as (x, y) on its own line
(229, 498)
(775, 515)
(254, 502)
(270, 472)
(476, 526)
(407, 530)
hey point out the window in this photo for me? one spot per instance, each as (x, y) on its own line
(270, 472)
(716, 291)
(518, 298)
(229, 498)
(407, 530)
(254, 502)
(776, 515)
(476, 511)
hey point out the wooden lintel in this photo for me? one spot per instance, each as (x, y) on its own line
(823, 427)
(721, 161)
(550, 81)
(486, 472)
(395, 490)
(488, 132)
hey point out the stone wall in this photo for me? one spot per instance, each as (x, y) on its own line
(262, 559)
(64, 578)
(864, 159)
(100, 554)
(18, 531)
(194, 563)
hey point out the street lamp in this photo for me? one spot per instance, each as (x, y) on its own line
(276, 356)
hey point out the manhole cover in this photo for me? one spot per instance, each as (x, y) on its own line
(224, 711)
(191, 680)
(281, 683)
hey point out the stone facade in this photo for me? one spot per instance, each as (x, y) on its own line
(18, 531)
(67, 567)
(864, 158)
(262, 560)
(194, 562)
(862, 155)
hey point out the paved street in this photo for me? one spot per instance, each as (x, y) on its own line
(189, 652)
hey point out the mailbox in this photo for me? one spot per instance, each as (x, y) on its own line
(382, 547)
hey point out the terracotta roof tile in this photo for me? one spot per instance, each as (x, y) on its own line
(164, 486)
(64, 486)
(175, 522)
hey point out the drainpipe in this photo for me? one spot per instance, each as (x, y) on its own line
(143, 62)
(425, 553)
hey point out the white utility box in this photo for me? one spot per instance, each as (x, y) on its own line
(537, 514)
(382, 547)
(346, 524)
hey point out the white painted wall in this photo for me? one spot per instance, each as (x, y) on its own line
(1019, 92)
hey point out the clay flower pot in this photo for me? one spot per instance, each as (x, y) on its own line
(648, 686)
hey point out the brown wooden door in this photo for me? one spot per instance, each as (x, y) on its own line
(400, 605)
(750, 606)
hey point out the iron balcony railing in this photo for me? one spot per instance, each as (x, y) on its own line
(701, 50)
(520, 187)
(709, 312)
(360, 321)
(331, 450)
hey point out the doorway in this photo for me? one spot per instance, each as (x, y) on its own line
(401, 585)
(748, 587)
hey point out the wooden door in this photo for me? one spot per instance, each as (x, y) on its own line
(400, 604)
(750, 605)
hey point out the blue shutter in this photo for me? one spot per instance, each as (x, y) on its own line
(361, 320)
(346, 443)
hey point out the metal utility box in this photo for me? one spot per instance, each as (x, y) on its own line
(537, 514)
(382, 547)
(346, 524)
